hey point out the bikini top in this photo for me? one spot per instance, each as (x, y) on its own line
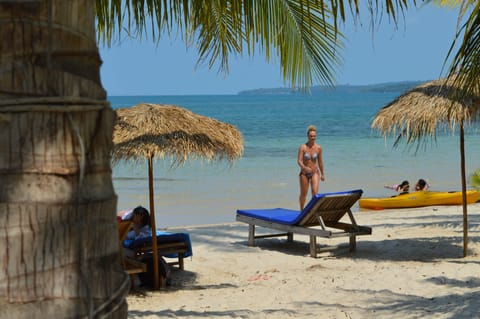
(308, 156)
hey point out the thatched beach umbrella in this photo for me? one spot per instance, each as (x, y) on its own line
(148, 131)
(415, 115)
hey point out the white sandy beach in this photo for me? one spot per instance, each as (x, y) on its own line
(412, 266)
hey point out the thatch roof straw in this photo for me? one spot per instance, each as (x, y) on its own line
(170, 131)
(417, 113)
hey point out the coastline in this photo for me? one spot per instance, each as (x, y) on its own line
(412, 266)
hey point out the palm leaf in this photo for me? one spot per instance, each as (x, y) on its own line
(301, 34)
(466, 61)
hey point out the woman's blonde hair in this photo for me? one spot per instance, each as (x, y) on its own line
(311, 128)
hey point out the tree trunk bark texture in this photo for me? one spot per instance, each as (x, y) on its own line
(57, 203)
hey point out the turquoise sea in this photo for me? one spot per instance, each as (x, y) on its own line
(274, 126)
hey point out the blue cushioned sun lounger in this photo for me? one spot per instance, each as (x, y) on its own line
(171, 245)
(163, 237)
(320, 218)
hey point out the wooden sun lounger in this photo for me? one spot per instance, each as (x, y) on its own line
(320, 218)
(178, 248)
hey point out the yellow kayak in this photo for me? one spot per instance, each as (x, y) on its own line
(419, 199)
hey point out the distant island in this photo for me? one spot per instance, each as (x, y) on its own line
(391, 87)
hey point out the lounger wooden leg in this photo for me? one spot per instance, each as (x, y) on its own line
(289, 237)
(132, 282)
(180, 261)
(313, 246)
(251, 235)
(353, 243)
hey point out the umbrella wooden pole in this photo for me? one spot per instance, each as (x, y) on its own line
(464, 191)
(152, 223)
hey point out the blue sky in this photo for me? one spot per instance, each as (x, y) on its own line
(414, 51)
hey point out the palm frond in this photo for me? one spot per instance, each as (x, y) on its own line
(302, 34)
(314, 45)
(448, 3)
(218, 28)
(466, 61)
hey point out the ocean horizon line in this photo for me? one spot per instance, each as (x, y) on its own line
(283, 90)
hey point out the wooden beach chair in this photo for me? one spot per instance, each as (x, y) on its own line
(131, 266)
(320, 218)
(170, 245)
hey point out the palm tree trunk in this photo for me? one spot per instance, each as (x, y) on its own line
(57, 201)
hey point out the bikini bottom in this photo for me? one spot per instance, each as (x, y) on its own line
(308, 175)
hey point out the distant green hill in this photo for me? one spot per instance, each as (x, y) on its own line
(391, 87)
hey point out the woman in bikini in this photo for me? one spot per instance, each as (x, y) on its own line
(311, 165)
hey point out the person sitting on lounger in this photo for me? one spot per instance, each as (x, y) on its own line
(141, 223)
(140, 219)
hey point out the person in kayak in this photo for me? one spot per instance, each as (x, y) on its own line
(402, 188)
(422, 185)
